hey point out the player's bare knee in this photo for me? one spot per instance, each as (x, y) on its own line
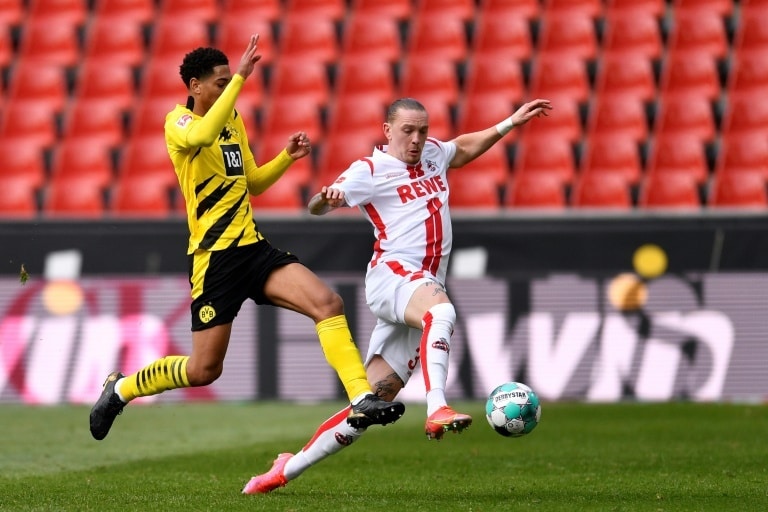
(329, 305)
(203, 375)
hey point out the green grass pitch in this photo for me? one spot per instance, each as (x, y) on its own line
(196, 457)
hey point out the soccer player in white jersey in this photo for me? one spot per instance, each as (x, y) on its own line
(402, 189)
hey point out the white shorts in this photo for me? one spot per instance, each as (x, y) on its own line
(387, 295)
(398, 344)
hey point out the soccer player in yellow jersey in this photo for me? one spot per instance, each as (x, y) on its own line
(229, 259)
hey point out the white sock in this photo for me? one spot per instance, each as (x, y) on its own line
(333, 435)
(359, 397)
(117, 390)
(434, 350)
(435, 400)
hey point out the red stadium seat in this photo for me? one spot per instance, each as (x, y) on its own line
(147, 156)
(142, 196)
(74, 196)
(337, 154)
(142, 11)
(231, 37)
(372, 38)
(18, 200)
(7, 53)
(463, 10)
(115, 40)
(626, 75)
(618, 115)
(80, 158)
(109, 82)
(424, 77)
(503, 36)
(306, 38)
(70, 12)
(317, 9)
(47, 40)
(256, 10)
(21, 161)
(612, 155)
(694, 117)
(752, 33)
(34, 122)
(679, 154)
(748, 75)
(160, 80)
(394, 9)
(168, 41)
(568, 34)
(285, 116)
(545, 155)
(632, 32)
(698, 31)
(493, 166)
(203, 10)
(720, 7)
(743, 190)
(306, 81)
(602, 191)
(449, 43)
(490, 75)
(674, 191)
(11, 12)
(356, 116)
(591, 8)
(745, 114)
(535, 191)
(268, 147)
(148, 118)
(558, 75)
(653, 7)
(284, 196)
(370, 79)
(480, 111)
(523, 9)
(563, 122)
(743, 153)
(473, 191)
(40, 83)
(690, 75)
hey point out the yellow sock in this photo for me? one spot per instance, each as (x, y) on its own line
(169, 372)
(343, 355)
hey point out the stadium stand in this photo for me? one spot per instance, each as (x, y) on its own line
(658, 103)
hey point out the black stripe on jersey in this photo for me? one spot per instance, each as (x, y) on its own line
(221, 224)
(201, 186)
(196, 153)
(213, 198)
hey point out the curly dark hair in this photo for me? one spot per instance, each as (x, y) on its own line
(199, 63)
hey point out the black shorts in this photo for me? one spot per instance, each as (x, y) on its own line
(222, 280)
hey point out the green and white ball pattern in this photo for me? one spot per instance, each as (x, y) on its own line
(513, 409)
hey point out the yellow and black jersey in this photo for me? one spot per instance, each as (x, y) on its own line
(217, 172)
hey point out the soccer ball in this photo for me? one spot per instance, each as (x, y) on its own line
(513, 409)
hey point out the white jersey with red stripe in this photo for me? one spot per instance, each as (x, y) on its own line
(407, 205)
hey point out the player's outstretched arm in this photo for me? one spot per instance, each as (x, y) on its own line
(326, 200)
(471, 145)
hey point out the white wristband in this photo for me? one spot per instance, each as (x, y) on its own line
(505, 126)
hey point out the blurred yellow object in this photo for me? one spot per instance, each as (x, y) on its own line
(650, 261)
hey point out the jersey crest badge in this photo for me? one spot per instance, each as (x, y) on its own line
(184, 120)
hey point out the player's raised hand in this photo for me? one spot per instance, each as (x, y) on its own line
(298, 145)
(528, 111)
(250, 57)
